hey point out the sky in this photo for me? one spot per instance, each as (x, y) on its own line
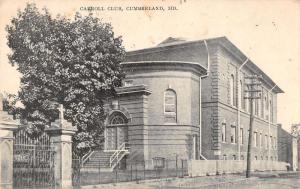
(266, 31)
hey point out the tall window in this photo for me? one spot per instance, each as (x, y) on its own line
(270, 145)
(265, 108)
(223, 132)
(260, 140)
(271, 111)
(170, 106)
(255, 139)
(232, 91)
(259, 106)
(255, 106)
(241, 136)
(266, 141)
(247, 100)
(241, 98)
(233, 134)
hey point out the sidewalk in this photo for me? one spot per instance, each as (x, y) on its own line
(204, 181)
(270, 174)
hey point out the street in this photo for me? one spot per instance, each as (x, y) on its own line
(285, 181)
(230, 181)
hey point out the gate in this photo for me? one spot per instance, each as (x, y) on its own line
(33, 163)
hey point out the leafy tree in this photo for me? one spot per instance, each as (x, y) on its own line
(62, 61)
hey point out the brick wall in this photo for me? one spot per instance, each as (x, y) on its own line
(217, 109)
(149, 135)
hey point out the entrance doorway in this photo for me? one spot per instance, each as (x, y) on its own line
(116, 133)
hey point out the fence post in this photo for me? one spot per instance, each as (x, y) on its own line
(176, 165)
(167, 172)
(144, 170)
(7, 125)
(61, 132)
(117, 167)
(131, 171)
(136, 171)
(182, 168)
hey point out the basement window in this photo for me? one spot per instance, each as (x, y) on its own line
(159, 162)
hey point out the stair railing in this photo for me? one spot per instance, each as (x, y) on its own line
(201, 156)
(116, 155)
(87, 156)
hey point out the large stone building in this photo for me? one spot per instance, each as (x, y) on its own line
(180, 90)
(157, 109)
(226, 113)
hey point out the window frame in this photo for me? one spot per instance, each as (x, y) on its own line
(232, 90)
(223, 132)
(233, 138)
(241, 136)
(255, 139)
(174, 113)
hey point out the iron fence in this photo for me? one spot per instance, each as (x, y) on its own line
(129, 171)
(33, 166)
(33, 161)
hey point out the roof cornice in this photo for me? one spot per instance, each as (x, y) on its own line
(192, 64)
(222, 41)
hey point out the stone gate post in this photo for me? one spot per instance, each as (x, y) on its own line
(7, 125)
(61, 132)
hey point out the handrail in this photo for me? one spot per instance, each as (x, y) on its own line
(203, 157)
(115, 155)
(83, 157)
(87, 156)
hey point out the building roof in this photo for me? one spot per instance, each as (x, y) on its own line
(223, 41)
(133, 89)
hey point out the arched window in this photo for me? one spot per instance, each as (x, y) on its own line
(232, 91)
(170, 108)
(117, 119)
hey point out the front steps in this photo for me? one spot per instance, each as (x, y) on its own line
(99, 160)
